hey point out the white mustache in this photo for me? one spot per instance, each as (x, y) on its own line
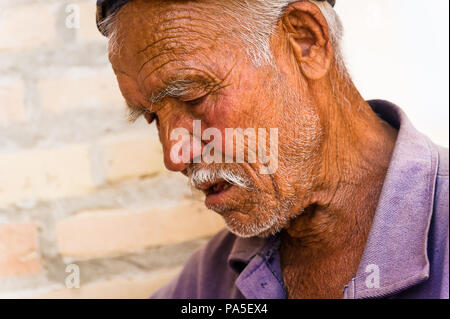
(205, 175)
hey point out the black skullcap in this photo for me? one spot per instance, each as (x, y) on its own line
(107, 7)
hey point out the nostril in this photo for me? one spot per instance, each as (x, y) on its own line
(174, 165)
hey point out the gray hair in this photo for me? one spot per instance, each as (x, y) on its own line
(265, 14)
(255, 32)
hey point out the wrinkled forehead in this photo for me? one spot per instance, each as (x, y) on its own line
(155, 33)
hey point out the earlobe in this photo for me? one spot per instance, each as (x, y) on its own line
(309, 40)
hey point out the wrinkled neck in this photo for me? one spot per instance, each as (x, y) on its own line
(354, 157)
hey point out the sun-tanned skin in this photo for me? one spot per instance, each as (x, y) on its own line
(333, 150)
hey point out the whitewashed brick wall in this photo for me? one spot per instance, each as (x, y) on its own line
(78, 184)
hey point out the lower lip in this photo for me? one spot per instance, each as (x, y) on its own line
(219, 198)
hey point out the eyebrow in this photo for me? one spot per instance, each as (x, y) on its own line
(175, 88)
(134, 112)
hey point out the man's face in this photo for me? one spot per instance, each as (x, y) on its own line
(163, 43)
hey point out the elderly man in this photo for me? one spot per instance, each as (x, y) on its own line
(357, 203)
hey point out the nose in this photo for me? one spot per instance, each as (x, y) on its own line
(181, 147)
(182, 150)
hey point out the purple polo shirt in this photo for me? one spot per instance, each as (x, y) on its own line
(406, 255)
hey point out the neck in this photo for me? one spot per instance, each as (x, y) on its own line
(338, 213)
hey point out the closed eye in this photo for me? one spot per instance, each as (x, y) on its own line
(197, 101)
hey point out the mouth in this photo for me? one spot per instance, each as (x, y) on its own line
(215, 188)
(217, 193)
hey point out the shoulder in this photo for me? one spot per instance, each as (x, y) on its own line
(206, 274)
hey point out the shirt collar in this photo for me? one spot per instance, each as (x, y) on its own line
(244, 249)
(395, 256)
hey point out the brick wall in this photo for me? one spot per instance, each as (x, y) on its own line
(78, 184)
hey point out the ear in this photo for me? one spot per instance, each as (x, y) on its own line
(309, 38)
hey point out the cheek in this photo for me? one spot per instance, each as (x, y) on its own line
(242, 103)
(222, 114)
(238, 110)
(227, 117)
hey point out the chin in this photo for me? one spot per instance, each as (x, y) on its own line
(248, 225)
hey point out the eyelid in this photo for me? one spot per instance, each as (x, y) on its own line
(196, 101)
(194, 96)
